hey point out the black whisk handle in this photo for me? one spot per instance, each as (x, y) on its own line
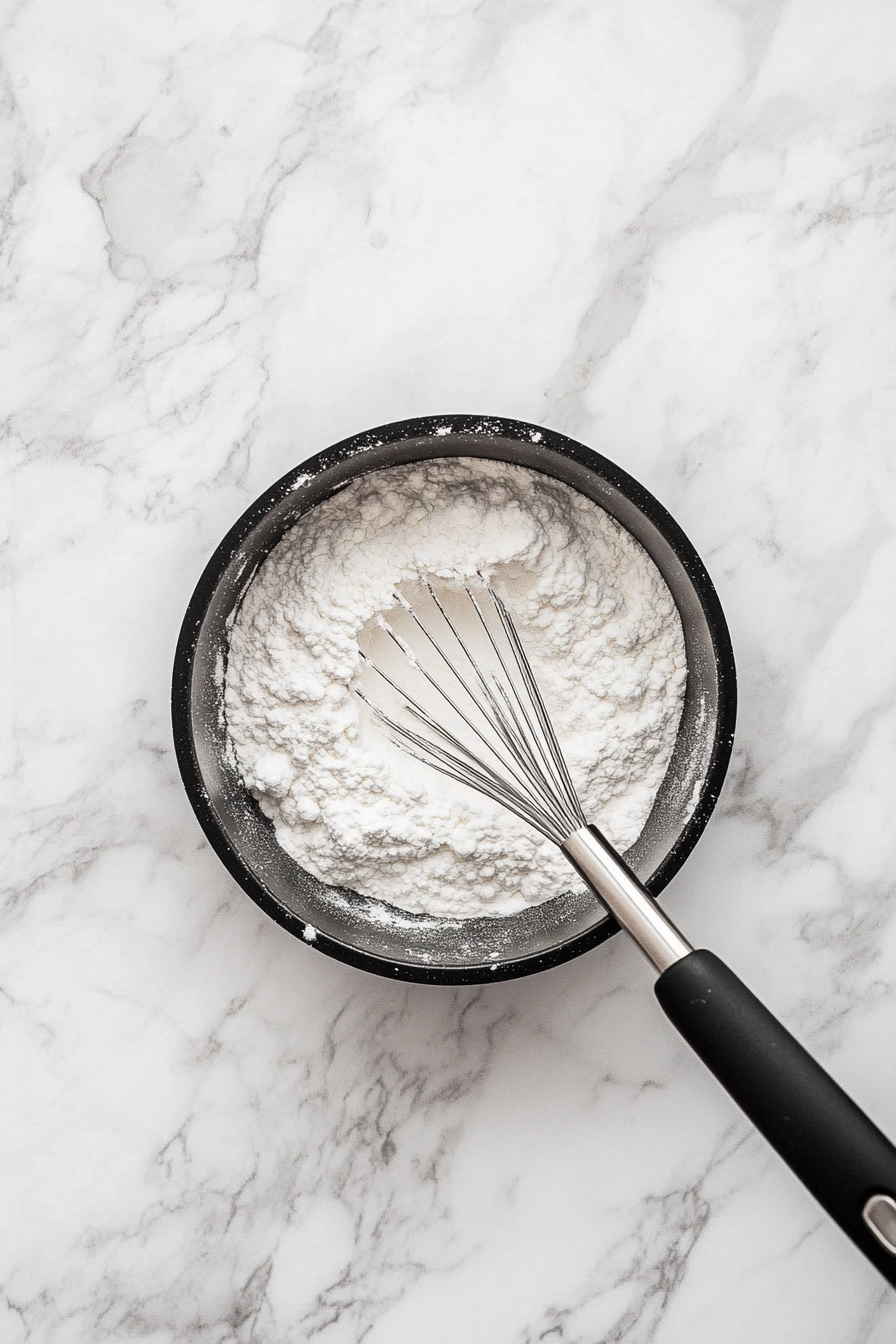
(822, 1135)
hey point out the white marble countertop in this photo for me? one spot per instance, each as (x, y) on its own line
(233, 234)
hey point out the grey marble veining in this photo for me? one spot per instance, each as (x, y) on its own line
(232, 235)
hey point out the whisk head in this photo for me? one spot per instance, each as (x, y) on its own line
(487, 726)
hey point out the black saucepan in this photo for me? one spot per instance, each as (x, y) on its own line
(350, 925)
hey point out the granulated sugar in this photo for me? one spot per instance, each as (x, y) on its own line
(597, 621)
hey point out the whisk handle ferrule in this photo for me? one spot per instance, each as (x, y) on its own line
(625, 897)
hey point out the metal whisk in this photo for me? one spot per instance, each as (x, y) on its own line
(489, 695)
(488, 728)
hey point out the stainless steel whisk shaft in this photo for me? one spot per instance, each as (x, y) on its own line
(512, 754)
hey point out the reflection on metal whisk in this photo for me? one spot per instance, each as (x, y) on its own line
(512, 754)
(518, 762)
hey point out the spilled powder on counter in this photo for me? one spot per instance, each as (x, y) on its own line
(598, 623)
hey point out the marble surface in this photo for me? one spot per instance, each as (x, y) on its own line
(233, 234)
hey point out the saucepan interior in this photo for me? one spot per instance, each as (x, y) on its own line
(348, 924)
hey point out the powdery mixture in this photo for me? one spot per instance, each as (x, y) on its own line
(598, 623)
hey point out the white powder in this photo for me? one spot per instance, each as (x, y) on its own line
(598, 623)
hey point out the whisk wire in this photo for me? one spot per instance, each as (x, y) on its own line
(517, 738)
(529, 775)
(472, 770)
(477, 776)
(557, 758)
(540, 760)
(513, 742)
(495, 722)
(547, 758)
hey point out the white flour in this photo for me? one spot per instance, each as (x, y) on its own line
(598, 624)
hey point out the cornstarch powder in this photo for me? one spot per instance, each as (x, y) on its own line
(599, 626)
